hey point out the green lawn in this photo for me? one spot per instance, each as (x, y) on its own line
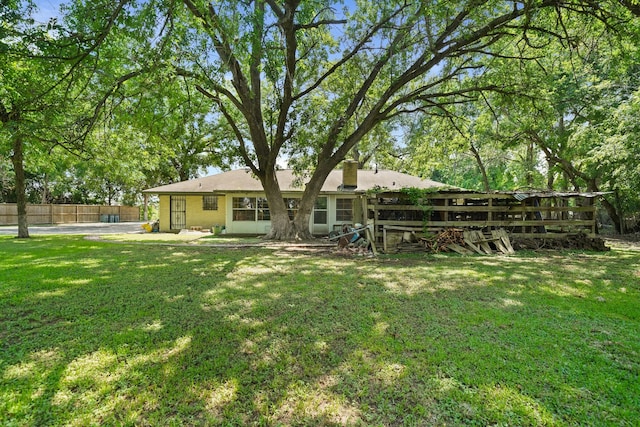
(99, 333)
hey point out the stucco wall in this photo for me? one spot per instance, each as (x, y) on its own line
(163, 211)
(196, 216)
(205, 219)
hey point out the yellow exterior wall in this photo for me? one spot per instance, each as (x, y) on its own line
(163, 211)
(205, 219)
(195, 215)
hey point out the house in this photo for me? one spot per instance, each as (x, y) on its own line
(236, 200)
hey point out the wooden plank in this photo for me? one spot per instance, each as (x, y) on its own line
(504, 239)
(495, 223)
(371, 241)
(483, 208)
(471, 196)
(551, 235)
(469, 240)
(490, 211)
(402, 228)
(498, 242)
(507, 243)
(400, 223)
(459, 249)
(481, 241)
(384, 240)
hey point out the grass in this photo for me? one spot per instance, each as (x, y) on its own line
(96, 333)
(191, 237)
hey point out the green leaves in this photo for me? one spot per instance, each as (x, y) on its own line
(314, 82)
(564, 86)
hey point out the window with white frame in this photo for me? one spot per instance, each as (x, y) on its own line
(344, 210)
(244, 208)
(251, 209)
(320, 211)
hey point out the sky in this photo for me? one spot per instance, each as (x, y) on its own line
(47, 9)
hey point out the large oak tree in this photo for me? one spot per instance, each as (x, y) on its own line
(59, 79)
(308, 80)
(570, 118)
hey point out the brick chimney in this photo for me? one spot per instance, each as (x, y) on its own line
(349, 175)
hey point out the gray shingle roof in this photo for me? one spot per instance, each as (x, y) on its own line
(242, 180)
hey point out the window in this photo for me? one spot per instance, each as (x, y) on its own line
(263, 209)
(209, 203)
(244, 208)
(292, 206)
(251, 209)
(320, 211)
(344, 209)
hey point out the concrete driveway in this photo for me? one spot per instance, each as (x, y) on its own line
(81, 228)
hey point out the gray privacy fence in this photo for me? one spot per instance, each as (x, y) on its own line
(60, 214)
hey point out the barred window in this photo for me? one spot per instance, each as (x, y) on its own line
(209, 203)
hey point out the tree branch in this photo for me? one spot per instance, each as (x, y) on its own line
(349, 55)
(320, 24)
(234, 127)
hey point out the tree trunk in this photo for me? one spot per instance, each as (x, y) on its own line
(17, 158)
(613, 213)
(551, 176)
(145, 207)
(282, 227)
(483, 170)
(529, 164)
(45, 191)
(622, 227)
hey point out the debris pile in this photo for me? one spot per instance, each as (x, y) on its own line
(442, 241)
(467, 241)
(457, 240)
(575, 241)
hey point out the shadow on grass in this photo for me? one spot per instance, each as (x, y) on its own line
(114, 334)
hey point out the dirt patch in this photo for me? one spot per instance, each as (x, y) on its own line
(625, 241)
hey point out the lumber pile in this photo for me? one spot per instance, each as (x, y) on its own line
(444, 239)
(459, 240)
(466, 242)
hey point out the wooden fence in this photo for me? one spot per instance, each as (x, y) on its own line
(545, 215)
(65, 214)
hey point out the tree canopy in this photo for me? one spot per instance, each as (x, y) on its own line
(310, 83)
(563, 127)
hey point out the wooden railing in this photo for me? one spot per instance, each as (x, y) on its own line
(60, 214)
(547, 216)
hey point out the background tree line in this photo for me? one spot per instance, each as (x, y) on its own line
(110, 98)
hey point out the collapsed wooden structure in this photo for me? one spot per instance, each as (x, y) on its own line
(549, 215)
